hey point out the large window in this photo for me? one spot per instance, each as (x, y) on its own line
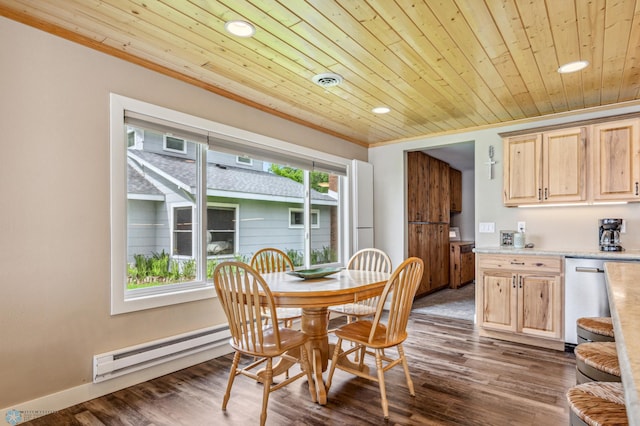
(189, 203)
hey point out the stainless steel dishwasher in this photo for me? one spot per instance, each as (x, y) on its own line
(585, 293)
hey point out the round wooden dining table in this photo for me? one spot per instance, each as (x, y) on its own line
(314, 296)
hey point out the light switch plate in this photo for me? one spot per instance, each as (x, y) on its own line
(487, 227)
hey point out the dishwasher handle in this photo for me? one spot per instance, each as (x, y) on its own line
(592, 270)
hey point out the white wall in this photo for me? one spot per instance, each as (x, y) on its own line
(465, 220)
(572, 228)
(54, 169)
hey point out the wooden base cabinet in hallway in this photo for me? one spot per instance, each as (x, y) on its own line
(520, 299)
(462, 265)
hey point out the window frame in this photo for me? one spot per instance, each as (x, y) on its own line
(123, 301)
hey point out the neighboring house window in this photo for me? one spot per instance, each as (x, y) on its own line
(221, 230)
(131, 138)
(182, 231)
(134, 138)
(296, 218)
(247, 161)
(222, 223)
(174, 144)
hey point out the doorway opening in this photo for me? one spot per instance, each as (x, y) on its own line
(457, 302)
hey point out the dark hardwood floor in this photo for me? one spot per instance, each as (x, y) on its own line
(459, 378)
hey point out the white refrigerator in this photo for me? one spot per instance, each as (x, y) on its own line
(362, 205)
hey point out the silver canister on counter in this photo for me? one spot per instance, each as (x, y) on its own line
(518, 240)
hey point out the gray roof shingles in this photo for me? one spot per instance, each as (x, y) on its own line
(138, 184)
(228, 178)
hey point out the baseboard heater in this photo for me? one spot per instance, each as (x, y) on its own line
(127, 360)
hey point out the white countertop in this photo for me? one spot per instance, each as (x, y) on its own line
(624, 300)
(589, 254)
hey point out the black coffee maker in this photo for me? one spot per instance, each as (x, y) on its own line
(609, 234)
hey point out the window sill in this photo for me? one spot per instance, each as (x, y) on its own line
(140, 300)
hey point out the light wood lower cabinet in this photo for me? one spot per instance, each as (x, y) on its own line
(520, 299)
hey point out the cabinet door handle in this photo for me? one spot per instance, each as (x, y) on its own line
(546, 193)
(514, 281)
(516, 263)
(520, 282)
(636, 188)
(539, 194)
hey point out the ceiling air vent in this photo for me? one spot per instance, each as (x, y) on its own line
(327, 79)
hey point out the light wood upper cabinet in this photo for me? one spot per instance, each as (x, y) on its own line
(564, 165)
(616, 161)
(547, 167)
(522, 168)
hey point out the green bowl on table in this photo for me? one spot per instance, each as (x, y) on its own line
(309, 274)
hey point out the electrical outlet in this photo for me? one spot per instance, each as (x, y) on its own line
(487, 227)
(522, 226)
(623, 227)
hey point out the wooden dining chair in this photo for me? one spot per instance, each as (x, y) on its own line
(244, 296)
(372, 337)
(369, 259)
(274, 260)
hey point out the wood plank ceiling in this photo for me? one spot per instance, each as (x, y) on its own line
(440, 65)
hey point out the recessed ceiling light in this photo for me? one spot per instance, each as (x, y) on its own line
(573, 67)
(240, 28)
(381, 110)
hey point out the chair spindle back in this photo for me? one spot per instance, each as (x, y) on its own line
(370, 259)
(271, 260)
(239, 289)
(402, 287)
